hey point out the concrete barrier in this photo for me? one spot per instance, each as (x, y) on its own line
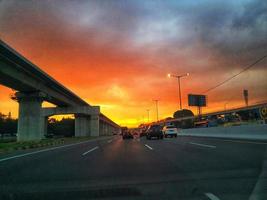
(254, 132)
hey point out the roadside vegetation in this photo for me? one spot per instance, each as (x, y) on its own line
(59, 132)
(9, 146)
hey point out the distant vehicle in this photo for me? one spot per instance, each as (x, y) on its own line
(170, 130)
(127, 135)
(154, 131)
(201, 124)
(143, 131)
(124, 130)
(135, 133)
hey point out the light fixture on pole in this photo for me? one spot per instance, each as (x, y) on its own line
(179, 85)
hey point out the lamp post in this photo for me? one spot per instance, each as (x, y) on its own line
(157, 110)
(179, 85)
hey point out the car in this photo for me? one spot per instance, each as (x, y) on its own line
(170, 130)
(127, 135)
(154, 131)
(143, 132)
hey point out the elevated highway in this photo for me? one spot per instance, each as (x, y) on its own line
(257, 106)
(33, 87)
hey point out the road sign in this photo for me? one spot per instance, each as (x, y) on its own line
(197, 100)
(263, 112)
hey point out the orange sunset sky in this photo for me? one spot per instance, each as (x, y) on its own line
(117, 54)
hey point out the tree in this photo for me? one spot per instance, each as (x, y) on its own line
(7, 124)
(183, 113)
(64, 127)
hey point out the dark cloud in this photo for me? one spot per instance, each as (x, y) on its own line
(131, 41)
(232, 31)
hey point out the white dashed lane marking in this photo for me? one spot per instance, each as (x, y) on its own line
(202, 145)
(40, 151)
(211, 196)
(90, 150)
(149, 147)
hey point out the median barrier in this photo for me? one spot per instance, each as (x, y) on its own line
(254, 132)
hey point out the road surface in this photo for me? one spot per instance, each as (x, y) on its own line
(112, 168)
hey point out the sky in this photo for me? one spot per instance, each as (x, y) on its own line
(117, 54)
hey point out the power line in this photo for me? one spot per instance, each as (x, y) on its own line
(232, 77)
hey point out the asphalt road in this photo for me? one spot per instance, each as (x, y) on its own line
(173, 168)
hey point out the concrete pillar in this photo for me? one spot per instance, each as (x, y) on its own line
(82, 125)
(101, 128)
(94, 125)
(45, 124)
(106, 129)
(30, 121)
(109, 129)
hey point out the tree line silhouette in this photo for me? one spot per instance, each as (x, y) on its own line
(63, 127)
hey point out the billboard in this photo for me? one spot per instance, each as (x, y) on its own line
(197, 100)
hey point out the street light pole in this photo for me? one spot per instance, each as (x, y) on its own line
(157, 110)
(179, 85)
(180, 98)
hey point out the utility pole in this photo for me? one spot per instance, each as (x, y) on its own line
(245, 93)
(179, 85)
(157, 110)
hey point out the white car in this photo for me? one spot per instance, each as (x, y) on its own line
(170, 130)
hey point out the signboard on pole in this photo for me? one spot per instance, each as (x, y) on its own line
(197, 100)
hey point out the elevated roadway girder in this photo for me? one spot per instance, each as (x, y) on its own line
(35, 86)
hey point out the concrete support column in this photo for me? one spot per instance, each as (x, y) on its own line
(106, 128)
(45, 124)
(109, 129)
(30, 121)
(101, 128)
(82, 125)
(94, 125)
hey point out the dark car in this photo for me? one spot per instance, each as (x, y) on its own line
(154, 131)
(127, 135)
(143, 132)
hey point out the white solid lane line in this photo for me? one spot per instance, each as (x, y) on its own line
(211, 196)
(90, 150)
(109, 141)
(149, 147)
(40, 151)
(202, 145)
